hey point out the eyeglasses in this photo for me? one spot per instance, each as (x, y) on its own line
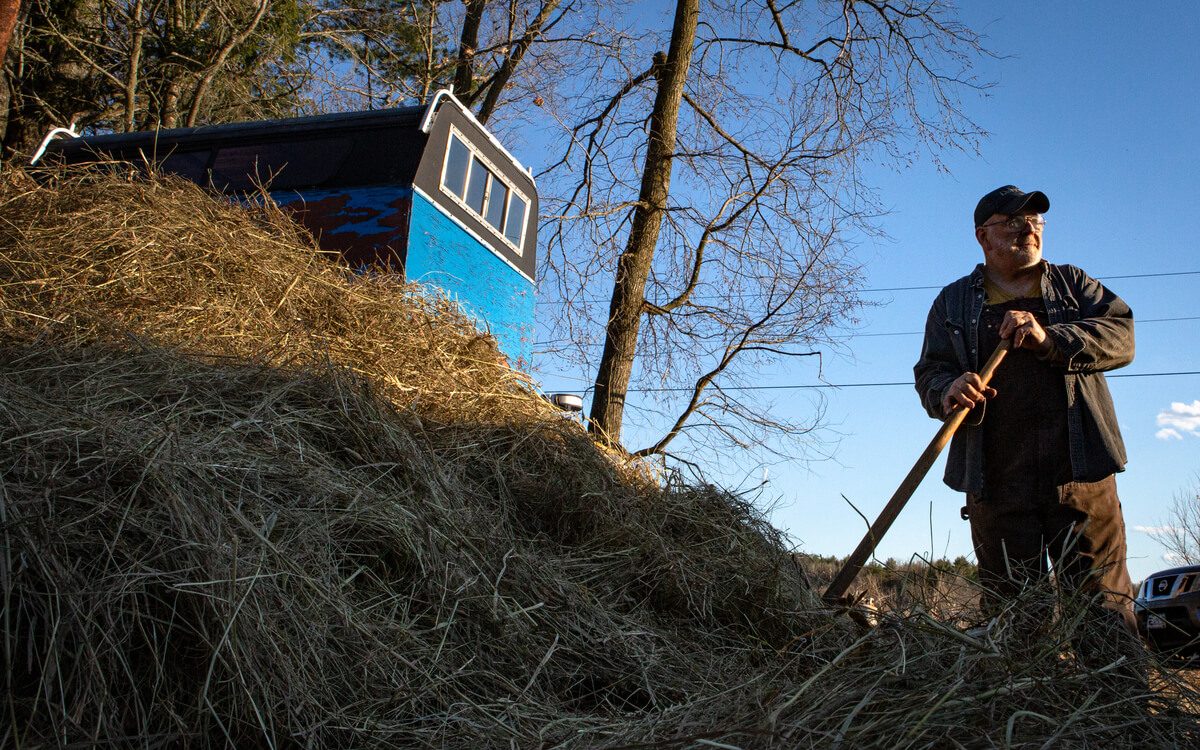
(1017, 223)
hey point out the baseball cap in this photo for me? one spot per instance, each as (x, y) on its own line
(1010, 199)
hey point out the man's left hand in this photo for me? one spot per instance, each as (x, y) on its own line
(1026, 331)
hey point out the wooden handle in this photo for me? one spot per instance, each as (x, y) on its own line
(845, 577)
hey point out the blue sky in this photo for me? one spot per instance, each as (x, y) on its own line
(1096, 105)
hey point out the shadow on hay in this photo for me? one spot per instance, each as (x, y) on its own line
(249, 500)
(225, 552)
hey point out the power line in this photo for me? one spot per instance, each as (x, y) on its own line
(877, 290)
(1151, 275)
(798, 386)
(558, 342)
(1101, 278)
(919, 333)
(909, 383)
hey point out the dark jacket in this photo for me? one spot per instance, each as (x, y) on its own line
(1092, 332)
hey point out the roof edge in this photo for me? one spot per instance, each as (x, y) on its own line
(364, 118)
(447, 94)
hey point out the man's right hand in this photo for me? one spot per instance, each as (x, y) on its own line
(966, 391)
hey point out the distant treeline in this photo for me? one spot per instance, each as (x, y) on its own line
(942, 586)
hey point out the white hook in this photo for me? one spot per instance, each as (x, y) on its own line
(70, 130)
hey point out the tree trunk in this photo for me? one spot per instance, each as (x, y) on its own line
(633, 267)
(8, 21)
(5, 103)
(214, 66)
(135, 66)
(520, 46)
(468, 44)
(169, 112)
(9, 10)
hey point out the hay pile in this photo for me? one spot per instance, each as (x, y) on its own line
(99, 258)
(248, 500)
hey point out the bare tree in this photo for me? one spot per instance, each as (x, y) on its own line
(716, 187)
(403, 51)
(513, 43)
(378, 53)
(1181, 534)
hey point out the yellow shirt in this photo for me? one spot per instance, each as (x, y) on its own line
(994, 295)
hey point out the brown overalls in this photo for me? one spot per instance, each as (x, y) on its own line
(1030, 515)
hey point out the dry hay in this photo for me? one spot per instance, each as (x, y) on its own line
(88, 257)
(260, 547)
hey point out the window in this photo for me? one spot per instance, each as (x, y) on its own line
(514, 225)
(495, 207)
(475, 184)
(457, 161)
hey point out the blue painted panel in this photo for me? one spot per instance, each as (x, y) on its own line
(443, 254)
(367, 225)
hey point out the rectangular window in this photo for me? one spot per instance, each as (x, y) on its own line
(477, 185)
(514, 225)
(457, 159)
(495, 207)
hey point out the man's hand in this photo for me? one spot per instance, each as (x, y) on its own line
(966, 391)
(1026, 332)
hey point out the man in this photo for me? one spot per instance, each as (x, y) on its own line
(1037, 455)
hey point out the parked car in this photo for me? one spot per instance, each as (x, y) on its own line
(1168, 609)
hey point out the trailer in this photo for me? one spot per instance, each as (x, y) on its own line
(425, 192)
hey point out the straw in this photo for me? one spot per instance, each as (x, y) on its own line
(249, 499)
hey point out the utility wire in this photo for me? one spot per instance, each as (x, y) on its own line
(919, 333)
(909, 333)
(876, 290)
(1101, 278)
(559, 342)
(909, 383)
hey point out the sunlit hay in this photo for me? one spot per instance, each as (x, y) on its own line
(219, 540)
(99, 255)
(916, 681)
(204, 553)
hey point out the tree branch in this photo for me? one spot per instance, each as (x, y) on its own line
(499, 80)
(210, 72)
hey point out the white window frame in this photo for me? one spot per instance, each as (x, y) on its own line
(473, 154)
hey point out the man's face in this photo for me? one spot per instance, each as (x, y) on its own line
(1008, 249)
